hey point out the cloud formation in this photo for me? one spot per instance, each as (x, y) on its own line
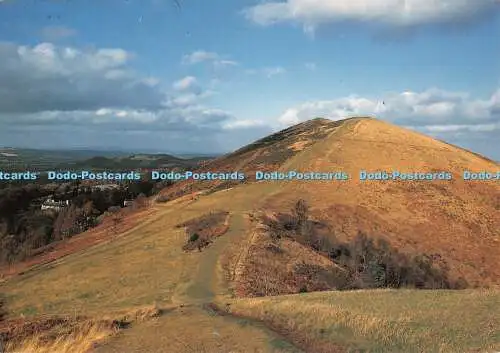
(454, 117)
(62, 96)
(407, 13)
(433, 110)
(46, 77)
(55, 97)
(201, 56)
(185, 83)
(269, 72)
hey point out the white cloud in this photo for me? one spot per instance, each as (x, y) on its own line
(200, 56)
(66, 78)
(311, 13)
(267, 71)
(95, 98)
(451, 116)
(246, 123)
(225, 63)
(457, 128)
(434, 110)
(185, 83)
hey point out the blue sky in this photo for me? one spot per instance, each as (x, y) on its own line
(209, 76)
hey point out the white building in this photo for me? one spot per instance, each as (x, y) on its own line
(127, 203)
(50, 204)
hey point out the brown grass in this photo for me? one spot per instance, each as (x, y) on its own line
(383, 320)
(275, 270)
(106, 231)
(201, 231)
(68, 334)
(65, 337)
(268, 153)
(456, 219)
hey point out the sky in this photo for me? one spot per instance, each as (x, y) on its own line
(198, 76)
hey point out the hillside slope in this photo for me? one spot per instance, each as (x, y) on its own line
(455, 221)
(268, 153)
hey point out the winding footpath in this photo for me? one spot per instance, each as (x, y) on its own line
(190, 326)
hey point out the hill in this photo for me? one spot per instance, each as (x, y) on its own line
(40, 160)
(184, 255)
(137, 161)
(268, 153)
(456, 219)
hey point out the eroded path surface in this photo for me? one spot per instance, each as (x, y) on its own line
(190, 327)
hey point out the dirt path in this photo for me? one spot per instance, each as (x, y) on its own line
(191, 327)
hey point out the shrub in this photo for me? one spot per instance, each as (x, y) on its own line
(201, 230)
(366, 262)
(194, 237)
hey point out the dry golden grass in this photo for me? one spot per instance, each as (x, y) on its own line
(147, 265)
(385, 320)
(193, 330)
(103, 233)
(270, 270)
(138, 269)
(79, 341)
(457, 219)
(71, 334)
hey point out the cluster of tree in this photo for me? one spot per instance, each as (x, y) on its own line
(366, 262)
(24, 227)
(19, 220)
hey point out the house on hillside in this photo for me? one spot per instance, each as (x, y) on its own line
(50, 204)
(128, 203)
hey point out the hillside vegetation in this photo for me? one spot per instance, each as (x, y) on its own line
(294, 237)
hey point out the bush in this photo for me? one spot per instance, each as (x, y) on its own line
(194, 237)
(374, 264)
(366, 262)
(201, 230)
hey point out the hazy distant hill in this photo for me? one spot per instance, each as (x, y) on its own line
(146, 161)
(34, 159)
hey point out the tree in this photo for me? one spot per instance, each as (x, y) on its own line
(301, 212)
(301, 220)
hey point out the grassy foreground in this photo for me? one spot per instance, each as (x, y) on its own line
(81, 340)
(383, 320)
